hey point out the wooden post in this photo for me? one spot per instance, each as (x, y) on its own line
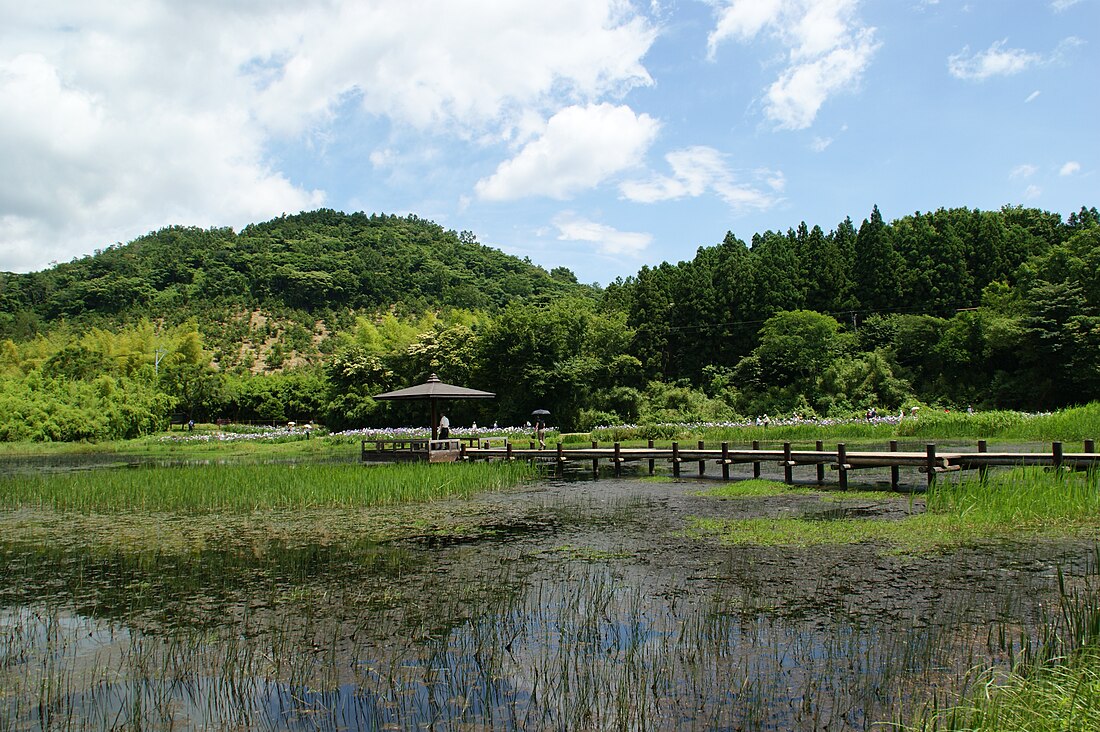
(788, 469)
(842, 466)
(676, 459)
(595, 460)
(930, 452)
(1056, 448)
(508, 449)
(561, 461)
(895, 471)
(756, 464)
(725, 461)
(651, 460)
(702, 462)
(1090, 445)
(618, 460)
(983, 470)
(820, 447)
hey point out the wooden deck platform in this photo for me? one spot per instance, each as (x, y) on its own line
(414, 450)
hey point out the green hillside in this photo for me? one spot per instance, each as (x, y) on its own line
(271, 294)
(317, 261)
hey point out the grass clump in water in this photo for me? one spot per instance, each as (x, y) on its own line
(1056, 698)
(1017, 503)
(758, 488)
(256, 487)
(1025, 500)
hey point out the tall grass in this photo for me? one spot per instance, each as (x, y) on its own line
(1080, 423)
(255, 487)
(1022, 498)
(1013, 503)
(1054, 685)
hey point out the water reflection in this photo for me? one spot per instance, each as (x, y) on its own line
(583, 608)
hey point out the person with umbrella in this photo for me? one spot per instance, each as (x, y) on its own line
(540, 426)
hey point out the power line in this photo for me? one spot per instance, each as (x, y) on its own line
(838, 314)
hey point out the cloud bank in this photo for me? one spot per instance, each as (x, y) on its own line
(827, 50)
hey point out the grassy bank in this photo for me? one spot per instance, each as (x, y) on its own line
(1019, 503)
(252, 487)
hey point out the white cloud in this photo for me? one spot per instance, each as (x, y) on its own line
(121, 118)
(579, 148)
(608, 240)
(827, 50)
(85, 168)
(1060, 5)
(743, 20)
(1033, 192)
(697, 170)
(429, 63)
(820, 144)
(794, 99)
(1071, 168)
(1026, 170)
(994, 61)
(1032, 96)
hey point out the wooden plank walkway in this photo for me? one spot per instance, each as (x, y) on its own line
(413, 450)
(930, 461)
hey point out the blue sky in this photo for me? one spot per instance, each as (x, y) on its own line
(600, 135)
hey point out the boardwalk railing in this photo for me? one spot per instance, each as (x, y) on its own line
(931, 461)
(415, 449)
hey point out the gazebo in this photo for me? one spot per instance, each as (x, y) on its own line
(435, 390)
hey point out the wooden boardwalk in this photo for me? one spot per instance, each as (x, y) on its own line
(931, 461)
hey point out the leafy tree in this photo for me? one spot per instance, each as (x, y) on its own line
(858, 382)
(1061, 346)
(796, 348)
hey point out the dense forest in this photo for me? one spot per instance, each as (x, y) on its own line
(305, 317)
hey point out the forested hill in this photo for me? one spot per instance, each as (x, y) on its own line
(307, 317)
(312, 261)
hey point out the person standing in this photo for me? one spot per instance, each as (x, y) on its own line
(444, 427)
(540, 433)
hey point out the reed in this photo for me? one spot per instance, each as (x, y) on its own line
(255, 487)
(1054, 681)
(1074, 424)
(1024, 499)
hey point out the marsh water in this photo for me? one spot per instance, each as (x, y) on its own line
(571, 603)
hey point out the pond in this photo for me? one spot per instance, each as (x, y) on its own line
(569, 604)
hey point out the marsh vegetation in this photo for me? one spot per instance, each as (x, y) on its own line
(328, 596)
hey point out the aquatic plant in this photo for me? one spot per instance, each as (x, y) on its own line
(1019, 502)
(255, 487)
(1054, 679)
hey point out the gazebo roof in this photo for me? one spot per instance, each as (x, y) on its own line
(433, 388)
